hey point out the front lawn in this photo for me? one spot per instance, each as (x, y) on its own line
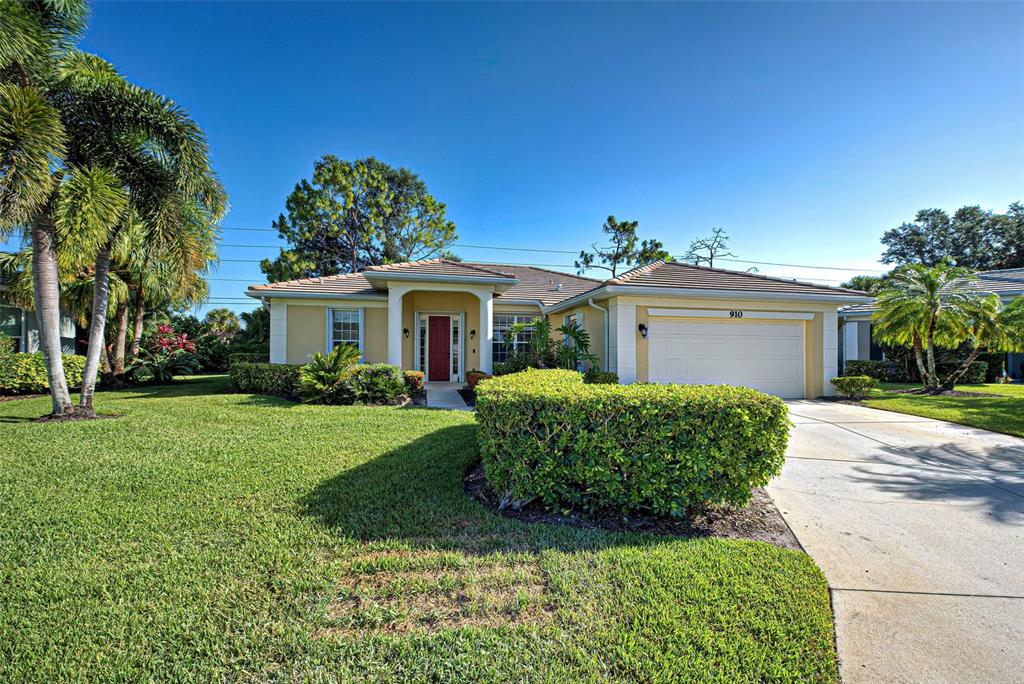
(206, 536)
(1002, 413)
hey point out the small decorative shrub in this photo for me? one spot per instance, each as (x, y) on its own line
(630, 449)
(372, 383)
(266, 378)
(475, 376)
(320, 380)
(161, 366)
(26, 373)
(853, 386)
(247, 357)
(873, 369)
(595, 376)
(413, 380)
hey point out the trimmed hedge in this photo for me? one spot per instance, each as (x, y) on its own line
(266, 378)
(853, 386)
(26, 373)
(878, 370)
(372, 383)
(593, 376)
(247, 357)
(647, 449)
(974, 375)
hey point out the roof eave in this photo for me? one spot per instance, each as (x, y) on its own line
(384, 276)
(707, 293)
(286, 294)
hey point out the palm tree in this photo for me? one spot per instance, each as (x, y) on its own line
(223, 321)
(990, 326)
(33, 37)
(925, 307)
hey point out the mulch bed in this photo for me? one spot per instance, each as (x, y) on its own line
(76, 416)
(17, 397)
(760, 520)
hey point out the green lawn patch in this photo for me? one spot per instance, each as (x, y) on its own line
(1001, 413)
(205, 536)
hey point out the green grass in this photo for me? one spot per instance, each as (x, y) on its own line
(1003, 413)
(205, 536)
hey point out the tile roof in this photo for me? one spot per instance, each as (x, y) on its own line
(676, 274)
(442, 267)
(347, 284)
(550, 287)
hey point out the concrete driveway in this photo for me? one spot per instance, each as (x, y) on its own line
(918, 525)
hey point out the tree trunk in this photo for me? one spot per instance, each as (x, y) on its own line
(955, 376)
(97, 327)
(46, 292)
(137, 321)
(120, 341)
(933, 376)
(919, 357)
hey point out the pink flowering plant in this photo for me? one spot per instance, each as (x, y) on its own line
(169, 353)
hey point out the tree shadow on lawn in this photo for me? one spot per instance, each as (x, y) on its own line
(415, 494)
(989, 477)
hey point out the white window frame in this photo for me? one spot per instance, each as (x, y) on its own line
(362, 327)
(22, 337)
(571, 318)
(517, 315)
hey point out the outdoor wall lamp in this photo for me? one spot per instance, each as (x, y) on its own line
(405, 331)
(472, 334)
(643, 330)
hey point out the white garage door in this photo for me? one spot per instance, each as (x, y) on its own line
(765, 356)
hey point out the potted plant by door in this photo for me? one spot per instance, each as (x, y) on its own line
(474, 376)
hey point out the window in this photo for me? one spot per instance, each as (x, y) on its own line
(576, 318)
(346, 327)
(10, 325)
(499, 353)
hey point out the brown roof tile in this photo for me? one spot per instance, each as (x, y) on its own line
(442, 267)
(347, 284)
(550, 287)
(676, 274)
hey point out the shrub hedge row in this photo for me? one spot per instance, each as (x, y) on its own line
(976, 373)
(872, 369)
(649, 449)
(247, 357)
(266, 378)
(26, 373)
(853, 386)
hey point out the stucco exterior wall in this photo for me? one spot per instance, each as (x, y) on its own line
(427, 302)
(307, 332)
(375, 335)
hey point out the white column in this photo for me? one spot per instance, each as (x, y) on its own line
(622, 341)
(278, 332)
(395, 296)
(830, 344)
(486, 330)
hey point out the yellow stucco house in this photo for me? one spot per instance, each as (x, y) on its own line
(662, 322)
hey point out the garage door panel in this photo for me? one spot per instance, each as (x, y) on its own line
(765, 356)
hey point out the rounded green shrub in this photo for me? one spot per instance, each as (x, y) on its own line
(266, 378)
(373, 383)
(853, 386)
(630, 449)
(26, 373)
(873, 369)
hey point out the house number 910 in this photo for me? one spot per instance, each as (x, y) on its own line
(735, 314)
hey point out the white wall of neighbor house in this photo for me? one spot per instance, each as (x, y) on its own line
(278, 331)
(830, 346)
(622, 334)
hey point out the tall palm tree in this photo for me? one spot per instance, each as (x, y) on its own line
(33, 140)
(925, 307)
(989, 326)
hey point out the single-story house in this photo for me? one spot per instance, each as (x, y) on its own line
(662, 322)
(20, 325)
(857, 342)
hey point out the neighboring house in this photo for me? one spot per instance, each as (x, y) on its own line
(663, 322)
(20, 325)
(856, 342)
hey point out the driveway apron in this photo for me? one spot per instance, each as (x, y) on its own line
(918, 525)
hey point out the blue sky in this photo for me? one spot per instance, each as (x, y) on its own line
(804, 129)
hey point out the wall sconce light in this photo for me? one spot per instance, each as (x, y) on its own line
(405, 331)
(643, 330)
(472, 334)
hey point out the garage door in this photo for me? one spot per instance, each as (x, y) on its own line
(766, 356)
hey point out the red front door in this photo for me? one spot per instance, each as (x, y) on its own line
(439, 364)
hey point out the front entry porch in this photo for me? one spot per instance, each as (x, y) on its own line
(445, 395)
